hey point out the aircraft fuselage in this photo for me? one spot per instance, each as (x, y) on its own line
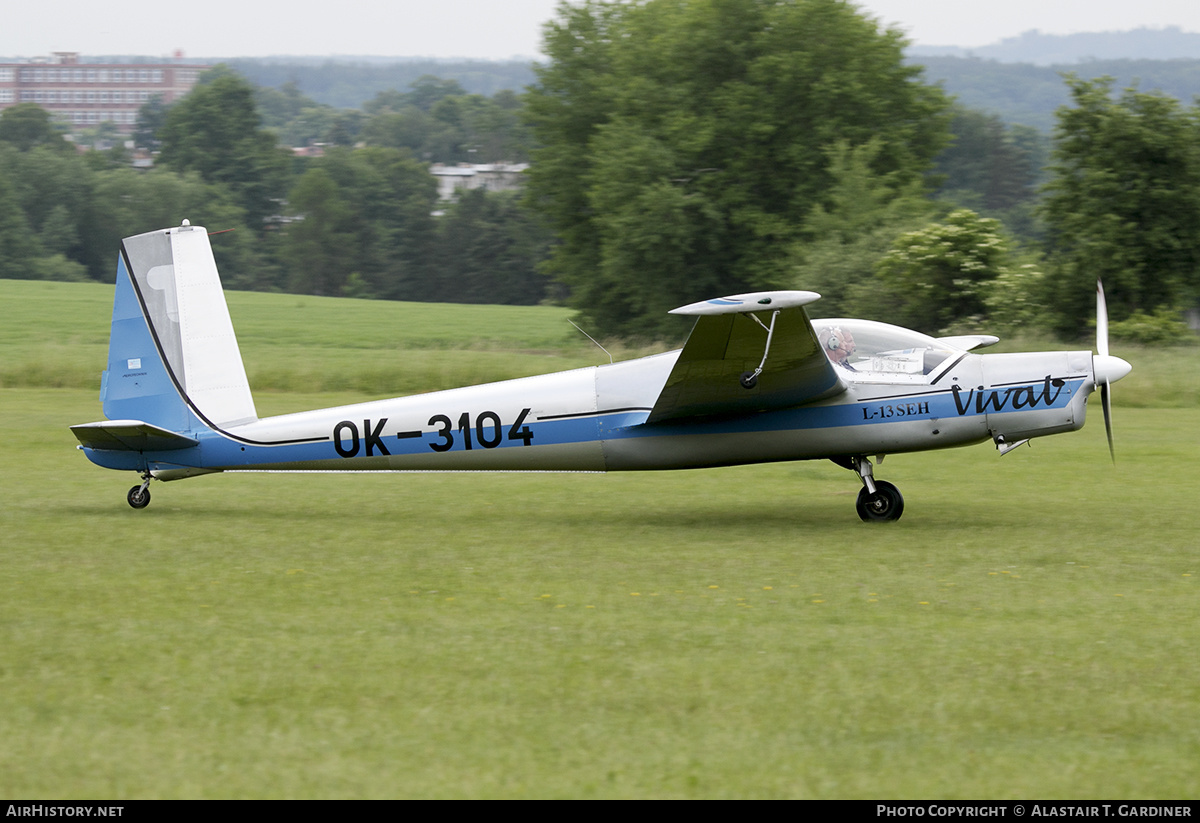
(594, 419)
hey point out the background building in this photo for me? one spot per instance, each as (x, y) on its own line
(86, 94)
(467, 176)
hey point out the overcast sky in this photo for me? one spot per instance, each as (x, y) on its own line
(492, 29)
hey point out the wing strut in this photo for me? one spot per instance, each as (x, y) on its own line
(749, 379)
(726, 369)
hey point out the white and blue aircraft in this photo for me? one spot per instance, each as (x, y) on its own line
(757, 381)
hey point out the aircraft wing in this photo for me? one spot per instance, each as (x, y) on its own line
(129, 435)
(729, 339)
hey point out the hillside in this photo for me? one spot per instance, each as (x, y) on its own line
(349, 82)
(1042, 49)
(1029, 94)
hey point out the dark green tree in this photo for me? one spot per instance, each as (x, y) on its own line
(466, 128)
(942, 273)
(151, 118)
(428, 90)
(850, 232)
(321, 243)
(1123, 203)
(215, 132)
(995, 169)
(395, 197)
(366, 211)
(409, 129)
(132, 202)
(298, 120)
(684, 143)
(279, 106)
(989, 165)
(489, 251)
(346, 127)
(18, 245)
(27, 126)
(75, 211)
(56, 191)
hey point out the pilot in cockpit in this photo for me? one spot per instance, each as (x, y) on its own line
(838, 345)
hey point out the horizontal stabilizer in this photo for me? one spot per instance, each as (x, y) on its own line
(129, 435)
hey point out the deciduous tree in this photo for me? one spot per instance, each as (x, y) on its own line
(1123, 203)
(684, 143)
(215, 131)
(27, 126)
(942, 273)
(489, 251)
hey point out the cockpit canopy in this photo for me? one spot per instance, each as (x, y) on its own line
(871, 350)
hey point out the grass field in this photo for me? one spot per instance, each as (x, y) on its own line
(1026, 631)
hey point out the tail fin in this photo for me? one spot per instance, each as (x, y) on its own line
(173, 359)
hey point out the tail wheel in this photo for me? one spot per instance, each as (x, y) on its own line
(885, 504)
(138, 497)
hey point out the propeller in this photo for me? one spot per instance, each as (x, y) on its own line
(1107, 369)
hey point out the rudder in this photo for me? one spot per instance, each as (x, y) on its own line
(173, 358)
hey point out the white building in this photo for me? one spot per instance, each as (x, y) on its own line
(467, 176)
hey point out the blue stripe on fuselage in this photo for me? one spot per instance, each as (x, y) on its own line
(217, 450)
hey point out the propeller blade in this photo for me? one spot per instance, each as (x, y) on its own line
(1106, 369)
(1106, 402)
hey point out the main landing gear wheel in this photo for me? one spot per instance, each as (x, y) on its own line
(885, 504)
(139, 497)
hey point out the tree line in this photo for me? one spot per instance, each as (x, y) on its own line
(364, 219)
(679, 149)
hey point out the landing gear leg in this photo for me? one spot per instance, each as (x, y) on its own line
(139, 496)
(879, 500)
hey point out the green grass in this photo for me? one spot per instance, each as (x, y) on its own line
(56, 335)
(1026, 631)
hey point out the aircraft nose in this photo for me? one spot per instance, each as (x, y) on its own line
(1108, 368)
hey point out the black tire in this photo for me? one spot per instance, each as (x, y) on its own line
(885, 504)
(138, 497)
(748, 380)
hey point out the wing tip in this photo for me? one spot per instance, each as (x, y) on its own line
(749, 302)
